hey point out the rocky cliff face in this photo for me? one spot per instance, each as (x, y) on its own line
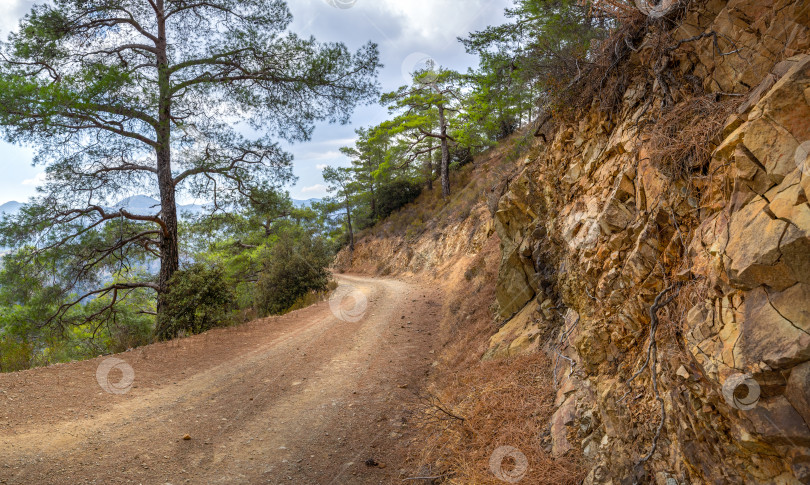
(624, 269)
(665, 272)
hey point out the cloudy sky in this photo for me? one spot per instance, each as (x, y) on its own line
(407, 31)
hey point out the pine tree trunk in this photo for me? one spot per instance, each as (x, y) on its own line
(373, 201)
(349, 223)
(429, 168)
(169, 249)
(445, 154)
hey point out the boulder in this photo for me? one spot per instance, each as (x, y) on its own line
(776, 422)
(752, 256)
(798, 390)
(776, 327)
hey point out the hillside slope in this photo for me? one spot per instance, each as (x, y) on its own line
(657, 253)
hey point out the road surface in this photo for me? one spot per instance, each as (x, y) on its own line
(306, 398)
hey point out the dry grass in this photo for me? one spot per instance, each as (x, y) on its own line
(489, 405)
(474, 407)
(684, 137)
(313, 297)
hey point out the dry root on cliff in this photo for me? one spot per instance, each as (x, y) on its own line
(651, 363)
(683, 138)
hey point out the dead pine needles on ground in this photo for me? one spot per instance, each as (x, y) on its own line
(502, 402)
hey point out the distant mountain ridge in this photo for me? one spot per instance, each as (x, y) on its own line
(144, 205)
(304, 203)
(10, 207)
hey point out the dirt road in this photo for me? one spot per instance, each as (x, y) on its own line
(302, 399)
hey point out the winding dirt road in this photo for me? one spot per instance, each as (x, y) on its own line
(302, 399)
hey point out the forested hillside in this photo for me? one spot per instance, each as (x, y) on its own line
(611, 207)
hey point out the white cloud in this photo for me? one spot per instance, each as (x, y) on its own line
(11, 11)
(38, 180)
(321, 166)
(319, 155)
(438, 22)
(319, 188)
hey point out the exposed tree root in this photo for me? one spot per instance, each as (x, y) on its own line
(652, 361)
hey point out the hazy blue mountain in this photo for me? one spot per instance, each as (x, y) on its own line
(10, 207)
(143, 205)
(304, 203)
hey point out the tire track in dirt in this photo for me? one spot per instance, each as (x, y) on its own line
(304, 398)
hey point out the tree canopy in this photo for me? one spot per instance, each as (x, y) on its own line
(156, 96)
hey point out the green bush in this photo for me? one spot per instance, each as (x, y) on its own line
(199, 298)
(395, 195)
(294, 266)
(15, 354)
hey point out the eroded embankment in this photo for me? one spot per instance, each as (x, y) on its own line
(694, 196)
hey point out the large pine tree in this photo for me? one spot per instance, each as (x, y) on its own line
(128, 96)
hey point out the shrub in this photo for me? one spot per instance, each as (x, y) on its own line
(199, 298)
(314, 297)
(294, 266)
(395, 195)
(15, 354)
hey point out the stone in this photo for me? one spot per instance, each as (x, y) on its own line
(752, 255)
(800, 463)
(776, 422)
(615, 216)
(746, 164)
(798, 390)
(580, 228)
(776, 327)
(785, 103)
(515, 337)
(513, 290)
(563, 417)
(779, 121)
(795, 245)
(730, 142)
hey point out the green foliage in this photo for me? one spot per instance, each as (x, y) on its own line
(121, 95)
(15, 354)
(30, 334)
(273, 254)
(533, 58)
(395, 195)
(297, 264)
(199, 298)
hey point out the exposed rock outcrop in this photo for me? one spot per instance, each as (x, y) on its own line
(595, 227)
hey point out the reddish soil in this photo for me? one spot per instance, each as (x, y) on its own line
(305, 398)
